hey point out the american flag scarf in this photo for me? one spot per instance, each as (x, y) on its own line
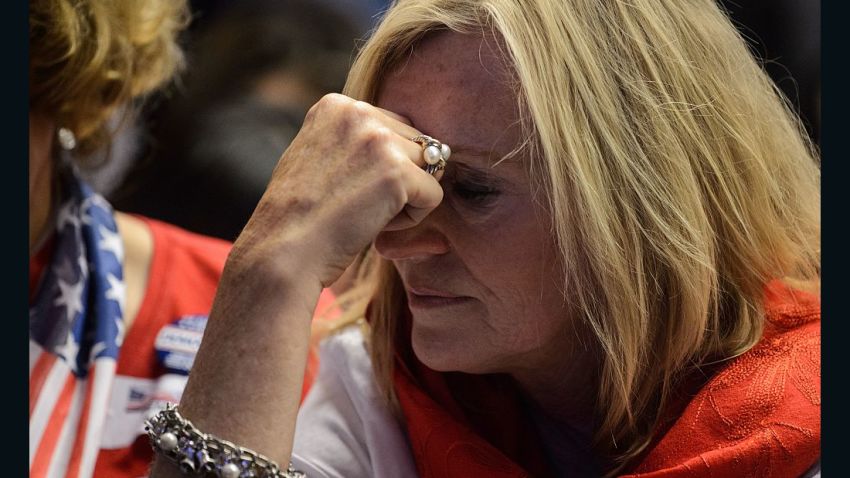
(76, 329)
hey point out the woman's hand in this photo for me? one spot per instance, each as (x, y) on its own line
(350, 172)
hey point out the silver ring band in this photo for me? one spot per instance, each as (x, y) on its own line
(434, 153)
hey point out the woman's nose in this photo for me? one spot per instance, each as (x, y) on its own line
(415, 243)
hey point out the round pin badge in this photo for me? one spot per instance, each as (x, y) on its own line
(177, 343)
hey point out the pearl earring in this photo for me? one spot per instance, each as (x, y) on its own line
(66, 139)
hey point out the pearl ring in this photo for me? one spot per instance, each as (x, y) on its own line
(434, 153)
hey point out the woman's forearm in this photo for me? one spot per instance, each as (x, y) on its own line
(246, 382)
(351, 172)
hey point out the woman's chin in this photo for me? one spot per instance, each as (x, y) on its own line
(444, 351)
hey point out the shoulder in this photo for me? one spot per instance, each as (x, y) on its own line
(181, 277)
(182, 274)
(345, 428)
(184, 271)
(760, 414)
(344, 362)
(199, 249)
(346, 348)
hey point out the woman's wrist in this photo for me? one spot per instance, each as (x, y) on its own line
(289, 271)
(246, 381)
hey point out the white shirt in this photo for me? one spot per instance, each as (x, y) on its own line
(345, 428)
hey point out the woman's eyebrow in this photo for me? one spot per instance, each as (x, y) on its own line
(474, 172)
(470, 151)
(469, 168)
(481, 161)
(494, 158)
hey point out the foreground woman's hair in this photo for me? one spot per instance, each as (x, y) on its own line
(678, 182)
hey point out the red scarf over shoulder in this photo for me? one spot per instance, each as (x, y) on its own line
(759, 416)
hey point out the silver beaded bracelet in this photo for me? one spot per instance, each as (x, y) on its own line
(202, 454)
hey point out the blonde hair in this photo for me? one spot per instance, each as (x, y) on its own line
(678, 180)
(88, 57)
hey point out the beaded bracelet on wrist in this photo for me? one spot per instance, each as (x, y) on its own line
(201, 454)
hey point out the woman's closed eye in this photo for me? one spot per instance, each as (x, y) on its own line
(471, 186)
(473, 193)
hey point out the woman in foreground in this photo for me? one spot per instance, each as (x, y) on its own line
(617, 271)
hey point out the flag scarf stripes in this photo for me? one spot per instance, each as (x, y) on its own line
(76, 330)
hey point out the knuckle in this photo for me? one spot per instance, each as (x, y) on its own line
(328, 102)
(392, 183)
(376, 139)
(311, 113)
(334, 99)
(393, 175)
(376, 145)
(356, 113)
(361, 107)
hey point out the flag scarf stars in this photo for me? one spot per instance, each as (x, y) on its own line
(110, 242)
(70, 298)
(76, 329)
(79, 309)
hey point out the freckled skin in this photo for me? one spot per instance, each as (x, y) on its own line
(455, 88)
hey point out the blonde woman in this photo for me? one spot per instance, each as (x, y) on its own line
(602, 260)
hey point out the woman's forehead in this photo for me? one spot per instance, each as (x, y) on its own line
(456, 88)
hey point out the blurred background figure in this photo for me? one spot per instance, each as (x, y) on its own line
(362, 14)
(255, 68)
(103, 284)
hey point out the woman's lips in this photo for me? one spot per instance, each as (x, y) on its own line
(423, 298)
